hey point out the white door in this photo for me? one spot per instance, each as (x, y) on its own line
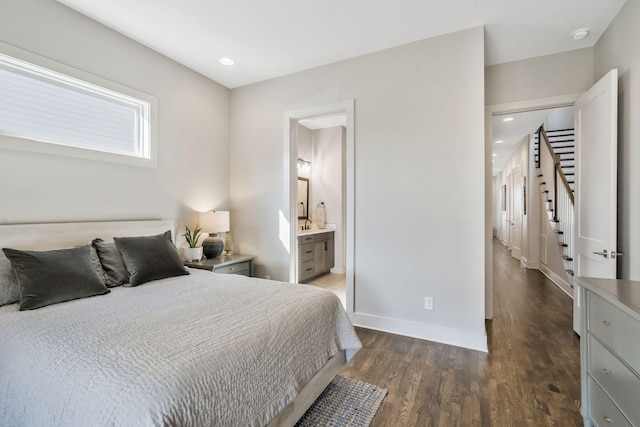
(516, 213)
(596, 168)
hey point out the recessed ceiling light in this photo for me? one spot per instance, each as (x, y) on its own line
(499, 141)
(507, 119)
(227, 61)
(494, 155)
(580, 34)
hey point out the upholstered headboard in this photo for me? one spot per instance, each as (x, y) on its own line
(69, 234)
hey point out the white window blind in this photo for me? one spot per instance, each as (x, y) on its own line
(47, 106)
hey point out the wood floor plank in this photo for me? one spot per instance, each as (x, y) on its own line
(530, 377)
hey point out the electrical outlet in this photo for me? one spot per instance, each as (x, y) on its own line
(428, 303)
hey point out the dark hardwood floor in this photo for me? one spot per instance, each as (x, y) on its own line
(530, 377)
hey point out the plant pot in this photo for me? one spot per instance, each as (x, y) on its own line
(192, 254)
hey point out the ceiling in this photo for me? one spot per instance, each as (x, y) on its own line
(322, 122)
(511, 133)
(271, 39)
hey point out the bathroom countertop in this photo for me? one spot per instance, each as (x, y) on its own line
(314, 230)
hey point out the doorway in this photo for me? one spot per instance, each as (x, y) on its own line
(294, 120)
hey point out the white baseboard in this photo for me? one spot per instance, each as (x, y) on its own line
(530, 264)
(424, 331)
(339, 270)
(557, 280)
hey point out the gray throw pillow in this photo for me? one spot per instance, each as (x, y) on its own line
(50, 277)
(150, 258)
(112, 262)
(9, 290)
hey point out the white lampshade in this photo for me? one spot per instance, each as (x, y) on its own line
(214, 221)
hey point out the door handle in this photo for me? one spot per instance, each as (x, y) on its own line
(615, 254)
(604, 253)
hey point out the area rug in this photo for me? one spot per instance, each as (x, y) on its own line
(344, 403)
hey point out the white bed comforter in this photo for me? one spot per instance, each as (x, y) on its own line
(200, 350)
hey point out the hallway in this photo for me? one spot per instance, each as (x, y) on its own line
(531, 376)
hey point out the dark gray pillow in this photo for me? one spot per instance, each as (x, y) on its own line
(50, 277)
(9, 290)
(150, 258)
(112, 262)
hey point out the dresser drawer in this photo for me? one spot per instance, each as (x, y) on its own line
(306, 270)
(306, 252)
(243, 268)
(616, 329)
(620, 383)
(603, 412)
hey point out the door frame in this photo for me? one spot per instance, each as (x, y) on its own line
(515, 194)
(291, 119)
(508, 108)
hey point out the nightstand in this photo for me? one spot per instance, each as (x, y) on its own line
(226, 264)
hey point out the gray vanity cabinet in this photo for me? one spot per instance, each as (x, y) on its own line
(316, 255)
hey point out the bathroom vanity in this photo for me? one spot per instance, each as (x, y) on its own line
(316, 253)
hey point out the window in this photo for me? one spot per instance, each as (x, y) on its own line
(55, 109)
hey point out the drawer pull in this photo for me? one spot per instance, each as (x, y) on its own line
(308, 252)
(231, 269)
(309, 269)
(605, 323)
(606, 419)
(606, 371)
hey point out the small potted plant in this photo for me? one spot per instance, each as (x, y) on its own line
(193, 252)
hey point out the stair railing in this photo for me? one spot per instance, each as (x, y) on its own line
(559, 174)
(557, 194)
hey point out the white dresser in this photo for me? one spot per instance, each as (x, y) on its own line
(610, 352)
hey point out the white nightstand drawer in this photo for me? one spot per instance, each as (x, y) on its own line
(615, 328)
(603, 411)
(615, 378)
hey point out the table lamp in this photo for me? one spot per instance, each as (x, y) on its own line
(214, 222)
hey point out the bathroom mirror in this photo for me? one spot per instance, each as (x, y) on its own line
(303, 198)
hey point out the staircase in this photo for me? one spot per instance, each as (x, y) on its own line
(563, 143)
(554, 156)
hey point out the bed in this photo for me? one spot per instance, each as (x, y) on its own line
(198, 349)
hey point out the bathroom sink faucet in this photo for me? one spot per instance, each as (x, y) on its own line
(307, 227)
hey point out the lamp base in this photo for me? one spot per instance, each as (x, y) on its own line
(212, 247)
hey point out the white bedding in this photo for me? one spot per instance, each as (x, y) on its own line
(205, 349)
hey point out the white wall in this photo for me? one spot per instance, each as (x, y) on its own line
(305, 144)
(619, 48)
(193, 130)
(543, 76)
(327, 184)
(560, 119)
(419, 180)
